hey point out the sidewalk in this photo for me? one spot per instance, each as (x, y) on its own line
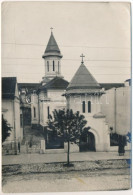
(62, 157)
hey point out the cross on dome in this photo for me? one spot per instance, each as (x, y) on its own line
(51, 29)
(82, 56)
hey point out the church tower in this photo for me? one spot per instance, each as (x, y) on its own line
(83, 94)
(52, 59)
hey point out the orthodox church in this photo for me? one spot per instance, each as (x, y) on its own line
(26, 105)
(82, 94)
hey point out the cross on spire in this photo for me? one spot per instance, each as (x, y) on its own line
(82, 56)
(51, 29)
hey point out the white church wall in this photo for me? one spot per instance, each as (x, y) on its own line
(57, 69)
(48, 102)
(98, 125)
(75, 103)
(100, 131)
(54, 94)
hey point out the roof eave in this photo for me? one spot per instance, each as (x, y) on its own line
(52, 54)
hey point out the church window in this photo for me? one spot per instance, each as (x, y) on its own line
(83, 106)
(58, 66)
(34, 111)
(89, 106)
(53, 66)
(21, 120)
(48, 111)
(48, 66)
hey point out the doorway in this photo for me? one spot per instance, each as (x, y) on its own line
(87, 142)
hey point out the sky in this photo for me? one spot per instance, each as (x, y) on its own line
(101, 31)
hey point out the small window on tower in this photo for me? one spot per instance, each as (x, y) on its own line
(58, 66)
(48, 66)
(89, 106)
(53, 66)
(83, 106)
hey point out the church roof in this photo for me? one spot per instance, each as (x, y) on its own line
(55, 83)
(83, 79)
(52, 47)
(8, 87)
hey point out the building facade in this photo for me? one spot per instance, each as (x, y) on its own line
(11, 112)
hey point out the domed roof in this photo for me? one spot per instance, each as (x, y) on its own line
(52, 48)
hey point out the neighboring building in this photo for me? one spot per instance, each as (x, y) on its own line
(116, 105)
(107, 86)
(11, 108)
(83, 94)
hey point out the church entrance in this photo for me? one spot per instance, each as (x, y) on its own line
(87, 142)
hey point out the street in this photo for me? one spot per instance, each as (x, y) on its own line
(61, 157)
(106, 179)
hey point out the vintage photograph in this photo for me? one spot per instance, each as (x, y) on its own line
(66, 96)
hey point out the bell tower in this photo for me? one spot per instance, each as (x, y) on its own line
(52, 59)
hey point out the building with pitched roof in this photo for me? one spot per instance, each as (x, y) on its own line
(11, 112)
(83, 94)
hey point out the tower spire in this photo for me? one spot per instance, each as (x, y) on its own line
(52, 57)
(82, 56)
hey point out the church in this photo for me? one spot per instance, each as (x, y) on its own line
(106, 107)
(82, 94)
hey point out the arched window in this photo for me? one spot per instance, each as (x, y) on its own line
(53, 66)
(48, 66)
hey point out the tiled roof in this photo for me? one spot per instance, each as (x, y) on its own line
(83, 79)
(55, 83)
(52, 47)
(8, 87)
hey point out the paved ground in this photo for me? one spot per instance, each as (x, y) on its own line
(108, 179)
(47, 158)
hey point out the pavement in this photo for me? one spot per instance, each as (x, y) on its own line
(61, 157)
